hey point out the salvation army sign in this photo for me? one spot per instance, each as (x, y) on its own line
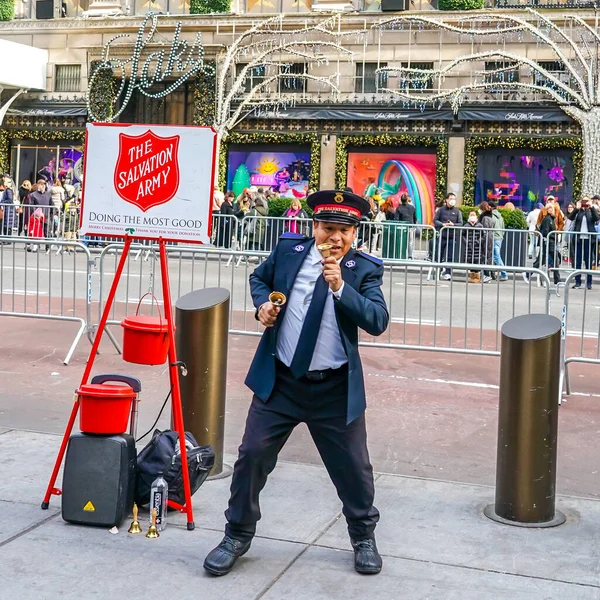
(148, 181)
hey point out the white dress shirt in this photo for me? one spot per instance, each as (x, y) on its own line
(329, 350)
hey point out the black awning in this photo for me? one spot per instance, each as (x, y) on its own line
(48, 109)
(523, 115)
(357, 113)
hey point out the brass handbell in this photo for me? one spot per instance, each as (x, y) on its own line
(325, 249)
(277, 298)
(152, 531)
(135, 525)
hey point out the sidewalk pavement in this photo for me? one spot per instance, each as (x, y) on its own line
(435, 542)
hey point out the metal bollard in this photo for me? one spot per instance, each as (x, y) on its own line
(528, 423)
(202, 321)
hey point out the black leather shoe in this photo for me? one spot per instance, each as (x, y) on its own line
(221, 560)
(366, 557)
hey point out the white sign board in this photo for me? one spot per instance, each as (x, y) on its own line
(148, 181)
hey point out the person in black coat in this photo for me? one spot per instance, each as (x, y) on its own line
(406, 212)
(584, 219)
(547, 226)
(224, 233)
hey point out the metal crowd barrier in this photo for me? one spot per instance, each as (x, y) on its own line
(225, 231)
(474, 244)
(47, 286)
(566, 251)
(452, 316)
(581, 323)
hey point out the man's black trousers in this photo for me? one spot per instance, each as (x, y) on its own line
(322, 405)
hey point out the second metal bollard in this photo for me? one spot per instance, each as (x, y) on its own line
(528, 423)
(202, 321)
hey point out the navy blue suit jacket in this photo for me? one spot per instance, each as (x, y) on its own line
(361, 305)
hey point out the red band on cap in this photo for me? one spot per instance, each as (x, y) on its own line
(337, 209)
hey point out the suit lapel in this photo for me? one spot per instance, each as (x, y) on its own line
(294, 260)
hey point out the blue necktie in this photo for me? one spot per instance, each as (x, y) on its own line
(310, 330)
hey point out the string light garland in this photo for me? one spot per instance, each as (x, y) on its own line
(439, 143)
(313, 139)
(579, 98)
(184, 59)
(270, 47)
(476, 143)
(204, 96)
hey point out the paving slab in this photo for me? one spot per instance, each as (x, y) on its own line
(57, 560)
(286, 508)
(17, 518)
(323, 574)
(26, 462)
(442, 522)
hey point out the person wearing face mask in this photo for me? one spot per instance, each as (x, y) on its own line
(447, 216)
(487, 243)
(472, 238)
(584, 219)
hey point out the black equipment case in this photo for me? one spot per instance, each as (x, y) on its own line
(99, 479)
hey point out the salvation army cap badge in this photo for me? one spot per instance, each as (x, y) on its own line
(350, 264)
(147, 169)
(299, 248)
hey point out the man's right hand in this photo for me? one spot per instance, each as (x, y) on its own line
(267, 314)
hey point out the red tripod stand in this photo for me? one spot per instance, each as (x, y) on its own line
(173, 376)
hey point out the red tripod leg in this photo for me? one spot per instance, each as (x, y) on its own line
(174, 376)
(86, 374)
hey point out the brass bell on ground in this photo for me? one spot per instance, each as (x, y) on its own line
(135, 525)
(152, 531)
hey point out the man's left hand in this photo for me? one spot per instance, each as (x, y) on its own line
(332, 273)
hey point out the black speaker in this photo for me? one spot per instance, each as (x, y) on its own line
(99, 479)
(394, 5)
(44, 9)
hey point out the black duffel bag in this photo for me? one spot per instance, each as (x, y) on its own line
(162, 455)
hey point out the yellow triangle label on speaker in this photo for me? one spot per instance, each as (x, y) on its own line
(89, 506)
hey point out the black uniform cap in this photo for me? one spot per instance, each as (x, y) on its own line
(336, 206)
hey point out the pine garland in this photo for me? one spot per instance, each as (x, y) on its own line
(209, 7)
(204, 96)
(7, 10)
(102, 93)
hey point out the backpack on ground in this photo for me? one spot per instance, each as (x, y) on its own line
(162, 454)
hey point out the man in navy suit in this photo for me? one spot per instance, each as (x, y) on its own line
(307, 370)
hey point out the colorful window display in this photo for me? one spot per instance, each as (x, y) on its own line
(524, 177)
(46, 162)
(282, 168)
(391, 174)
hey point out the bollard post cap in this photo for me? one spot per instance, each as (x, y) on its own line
(531, 327)
(202, 299)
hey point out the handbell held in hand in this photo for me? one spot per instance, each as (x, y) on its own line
(325, 249)
(277, 298)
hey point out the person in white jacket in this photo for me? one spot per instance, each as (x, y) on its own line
(532, 218)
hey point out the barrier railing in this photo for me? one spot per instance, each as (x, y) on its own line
(225, 231)
(396, 240)
(581, 323)
(37, 285)
(261, 234)
(477, 245)
(566, 251)
(453, 316)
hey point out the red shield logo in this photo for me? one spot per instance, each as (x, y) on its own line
(147, 169)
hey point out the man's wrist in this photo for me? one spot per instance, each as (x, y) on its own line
(338, 293)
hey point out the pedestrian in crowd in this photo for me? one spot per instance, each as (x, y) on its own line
(41, 199)
(407, 213)
(584, 219)
(217, 221)
(24, 191)
(447, 216)
(218, 198)
(549, 248)
(294, 212)
(509, 206)
(224, 234)
(532, 219)
(376, 227)
(256, 224)
(472, 240)
(498, 239)
(71, 223)
(9, 209)
(486, 219)
(558, 214)
(389, 210)
(57, 193)
(307, 369)
(36, 228)
(568, 238)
